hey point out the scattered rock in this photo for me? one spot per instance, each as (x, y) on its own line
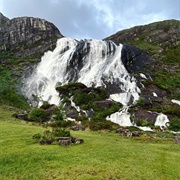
(126, 132)
(77, 128)
(177, 139)
(20, 116)
(79, 141)
(48, 141)
(66, 141)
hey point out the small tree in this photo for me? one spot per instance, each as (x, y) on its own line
(59, 116)
(174, 125)
(38, 115)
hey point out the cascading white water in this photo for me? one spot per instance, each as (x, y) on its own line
(91, 62)
(122, 117)
(101, 63)
(161, 120)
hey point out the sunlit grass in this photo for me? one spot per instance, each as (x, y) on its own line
(102, 155)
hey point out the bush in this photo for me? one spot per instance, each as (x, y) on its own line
(37, 114)
(59, 114)
(102, 125)
(142, 122)
(62, 124)
(102, 113)
(133, 128)
(10, 97)
(174, 125)
(36, 136)
(8, 91)
(141, 102)
(59, 118)
(61, 132)
(48, 135)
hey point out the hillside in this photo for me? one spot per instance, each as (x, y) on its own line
(161, 41)
(23, 41)
(146, 83)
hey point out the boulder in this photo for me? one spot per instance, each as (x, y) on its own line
(79, 141)
(177, 139)
(65, 141)
(77, 128)
(47, 141)
(20, 116)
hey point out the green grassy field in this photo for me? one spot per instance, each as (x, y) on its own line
(102, 155)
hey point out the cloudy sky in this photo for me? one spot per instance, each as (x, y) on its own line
(93, 18)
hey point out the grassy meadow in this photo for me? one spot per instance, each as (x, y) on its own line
(103, 155)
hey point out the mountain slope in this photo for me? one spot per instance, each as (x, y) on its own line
(25, 33)
(146, 64)
(161, 40)
(23, 40)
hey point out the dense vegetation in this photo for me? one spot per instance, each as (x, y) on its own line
(9, 93)
(90, 99)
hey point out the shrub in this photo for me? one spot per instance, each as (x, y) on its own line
(172, 55)
(36, 136)
(62, 124)
(174, 124)
(37, 114)
(48, 135)
(59, 114)
(101, 125)
(8, 91)
(141, 102)
(133, 128)
(82, 98)
(10, 97)
(142, 122)
(61, 132)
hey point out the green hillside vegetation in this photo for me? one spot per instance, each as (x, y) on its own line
(103, 155)
(9, 91)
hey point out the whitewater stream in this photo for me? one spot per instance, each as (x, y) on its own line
(91, 62)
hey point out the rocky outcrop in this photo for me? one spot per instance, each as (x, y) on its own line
(27, 35)
(164, 34)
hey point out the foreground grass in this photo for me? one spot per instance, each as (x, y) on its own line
(102, 156)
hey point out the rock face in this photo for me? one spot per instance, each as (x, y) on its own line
(27, 35)
(165, 34)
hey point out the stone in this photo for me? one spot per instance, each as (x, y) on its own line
(103, 104)
(47, 141)
(177, 139)
(20, 116)
(79, 141)
(65, 141)
(74, 128)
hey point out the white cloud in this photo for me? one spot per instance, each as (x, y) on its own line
(93, 18)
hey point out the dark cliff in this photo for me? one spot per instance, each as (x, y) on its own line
(27, 35)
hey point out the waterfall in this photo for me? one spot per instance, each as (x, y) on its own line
(161, 120)
(91, 62)
(122, 117)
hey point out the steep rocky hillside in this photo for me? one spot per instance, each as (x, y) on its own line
(154, 38)
(161, 40)
(23, 40)
(149, 53)
(30, 35)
